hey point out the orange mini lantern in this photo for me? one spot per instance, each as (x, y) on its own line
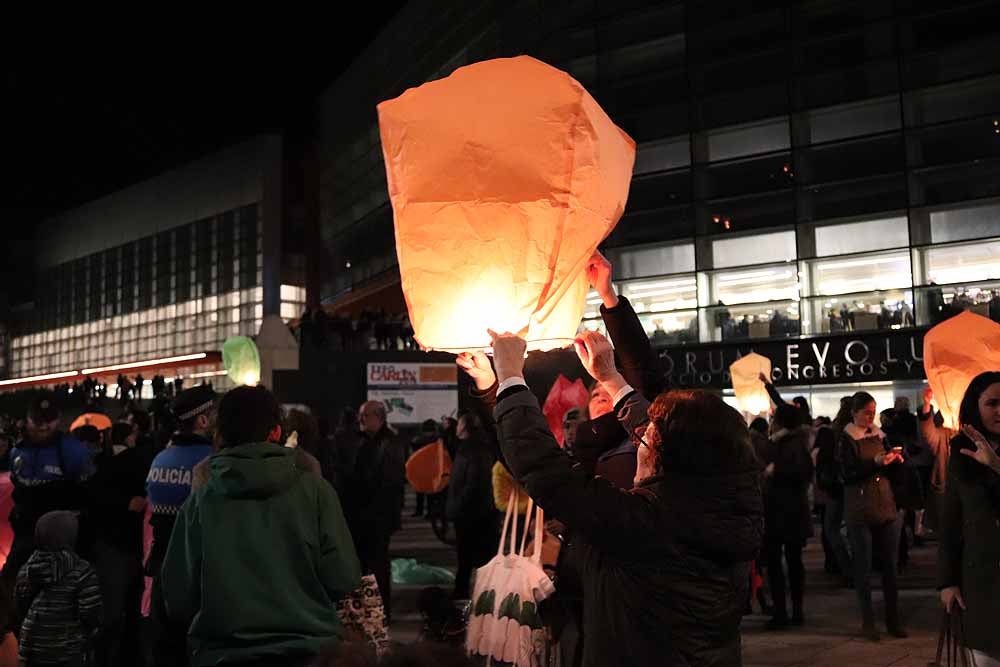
(428, 469)
(750, 391)
(955, 351)
(504, 177)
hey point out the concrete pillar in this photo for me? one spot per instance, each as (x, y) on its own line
(272, 211)
(277, 347)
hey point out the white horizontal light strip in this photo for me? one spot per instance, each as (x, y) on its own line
(36, 378)
(142, 364)
(207, 374)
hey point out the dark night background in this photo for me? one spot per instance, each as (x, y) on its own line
(79, 124)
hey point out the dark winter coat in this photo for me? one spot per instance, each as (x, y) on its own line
(664, 566)
(470, 485)
(59, 596)
(376, 491)
(868, 496)
(119, 478)
(786, 490)
(969, 550)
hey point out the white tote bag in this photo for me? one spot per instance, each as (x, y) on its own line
(505, 626)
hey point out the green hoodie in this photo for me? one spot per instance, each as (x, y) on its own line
(257, 559)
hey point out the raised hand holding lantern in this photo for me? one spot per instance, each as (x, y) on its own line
(504, 177)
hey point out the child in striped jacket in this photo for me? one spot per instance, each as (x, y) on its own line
(58, 595)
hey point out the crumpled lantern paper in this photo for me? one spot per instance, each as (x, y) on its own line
(956, 351)
(504, 177)
(562, 396)
(751, 394)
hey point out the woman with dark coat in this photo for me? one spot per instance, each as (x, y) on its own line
(873, 519)
(970, 522)
(665, 564)
(470, 501)
(787, 520)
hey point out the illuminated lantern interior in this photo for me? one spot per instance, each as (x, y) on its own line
(750, 391)
(241, 360)
(956, 351)
(504, 177)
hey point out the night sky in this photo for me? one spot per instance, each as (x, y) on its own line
(81, 124)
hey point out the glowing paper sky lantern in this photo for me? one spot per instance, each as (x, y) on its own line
(750, 391)
(504, 177)
(241, 360)
(955, 351)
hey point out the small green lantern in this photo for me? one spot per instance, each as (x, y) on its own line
(242, 360)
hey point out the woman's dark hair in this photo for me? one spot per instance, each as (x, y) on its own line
(788, 416)
(429, 426)
(87, 433)
(968, 411)
(760, 425)
(805, 416)
(305, 425)
(860, 401)
(473, 424)
(844, 416)
(700, 433)
(141, 419)
(120, 431)
(348, 420)
(247, 414)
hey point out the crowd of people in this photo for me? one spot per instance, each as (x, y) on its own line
(370, 330)
(269, 531)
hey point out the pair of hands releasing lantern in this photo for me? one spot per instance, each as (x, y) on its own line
(504, 177)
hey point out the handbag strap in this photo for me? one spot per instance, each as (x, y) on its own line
(511, 499)
(527, 524)
(968, 659)
(944, 641)
(539, 534)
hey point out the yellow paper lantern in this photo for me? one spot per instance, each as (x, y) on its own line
(504, 177)
(750, 391)
(956, 351)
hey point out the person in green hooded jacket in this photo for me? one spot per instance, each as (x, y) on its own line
(261, 551)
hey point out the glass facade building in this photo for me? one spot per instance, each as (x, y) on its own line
(180, 291)
(803, 169)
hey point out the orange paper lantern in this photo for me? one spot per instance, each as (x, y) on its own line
(504, 177)
(428, 469)
(750, 391)
(95, 419)
(955, 351)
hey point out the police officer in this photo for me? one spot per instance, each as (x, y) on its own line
(168, 486)
(48, 469)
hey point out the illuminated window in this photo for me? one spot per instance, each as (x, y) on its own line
(657, 295)
(754, 284)
(755, 249)
(865, 273)
(959, 263)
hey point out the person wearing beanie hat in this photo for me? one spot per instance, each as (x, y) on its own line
(168, 485)
(58, 596)
(48, 470)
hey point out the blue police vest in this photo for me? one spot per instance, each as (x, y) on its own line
(64, 459)
(169, 481)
